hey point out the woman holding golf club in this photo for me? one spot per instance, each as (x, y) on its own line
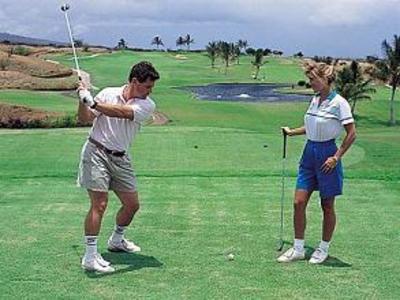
(320, 165)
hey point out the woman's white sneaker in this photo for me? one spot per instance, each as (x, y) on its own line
(123, 246)
(291, 255)
(318, 257)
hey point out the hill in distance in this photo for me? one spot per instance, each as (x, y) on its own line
(18, 39)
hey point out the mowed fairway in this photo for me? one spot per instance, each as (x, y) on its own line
(210, 185)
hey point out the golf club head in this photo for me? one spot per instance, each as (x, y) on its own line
(65, 7)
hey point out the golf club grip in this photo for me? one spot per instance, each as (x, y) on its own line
(284, 144)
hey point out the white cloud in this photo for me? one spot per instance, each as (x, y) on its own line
(266, 22)
(350, 12)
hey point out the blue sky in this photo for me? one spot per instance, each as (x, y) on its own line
(345, 28)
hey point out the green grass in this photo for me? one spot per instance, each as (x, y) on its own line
(198, 204)
(49, 101)
(184, 110)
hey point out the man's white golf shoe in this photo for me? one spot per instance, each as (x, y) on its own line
(96, 263)
(318, 257)
(102, 261)
(291, 255)
(123, 246)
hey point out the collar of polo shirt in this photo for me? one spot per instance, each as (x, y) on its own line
(330, 97)
(121, 94)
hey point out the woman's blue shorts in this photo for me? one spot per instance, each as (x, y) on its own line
(312, 178)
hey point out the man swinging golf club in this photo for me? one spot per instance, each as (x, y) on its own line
(117, 114)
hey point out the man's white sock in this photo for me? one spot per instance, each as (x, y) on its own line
(118, 233)
(324, 246)
(91, 245)
(298, 245)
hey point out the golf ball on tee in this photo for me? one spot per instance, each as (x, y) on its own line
(230, 256)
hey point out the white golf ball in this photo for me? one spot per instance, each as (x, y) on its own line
(230, 256)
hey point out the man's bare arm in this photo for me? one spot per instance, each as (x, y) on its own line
(110, 110)
(115, 110)
(85, 115)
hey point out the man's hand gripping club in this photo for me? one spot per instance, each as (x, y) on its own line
(85, 97)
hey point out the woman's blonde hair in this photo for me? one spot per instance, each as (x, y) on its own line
(320, 70)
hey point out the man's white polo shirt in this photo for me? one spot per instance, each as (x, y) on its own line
(325, 121)
(116, 133)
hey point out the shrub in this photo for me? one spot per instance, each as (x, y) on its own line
(4, 63)
(20, 50)
(325, 59)
(301, 83)
(36, 123)
(371, 59)
(267, 52)
(250, 51)
(67, 121)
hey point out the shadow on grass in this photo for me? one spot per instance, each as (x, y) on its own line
(332, 261)
(335, 263)
(131, 262)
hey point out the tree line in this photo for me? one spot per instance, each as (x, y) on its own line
(351, 82)
(181, 41)
(230, 53)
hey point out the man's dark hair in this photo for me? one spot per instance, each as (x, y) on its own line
(143, 71)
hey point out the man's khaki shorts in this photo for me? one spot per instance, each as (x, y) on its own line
(99, 171)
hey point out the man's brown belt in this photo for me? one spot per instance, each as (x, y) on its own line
(106, 150)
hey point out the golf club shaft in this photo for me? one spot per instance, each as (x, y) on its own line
(282, 189)
(282, 197)
(284, 144)
(72, 45)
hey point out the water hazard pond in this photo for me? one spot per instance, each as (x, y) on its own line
(245, 92)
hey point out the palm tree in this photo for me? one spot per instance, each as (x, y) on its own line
(188, 40)
(235, 48)
(157, 41)
(180, 41)
(225, 52)
(258, 61)
(122, 44)
(242, 44)
(212, 52)
(352, 86)
(390, 66)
